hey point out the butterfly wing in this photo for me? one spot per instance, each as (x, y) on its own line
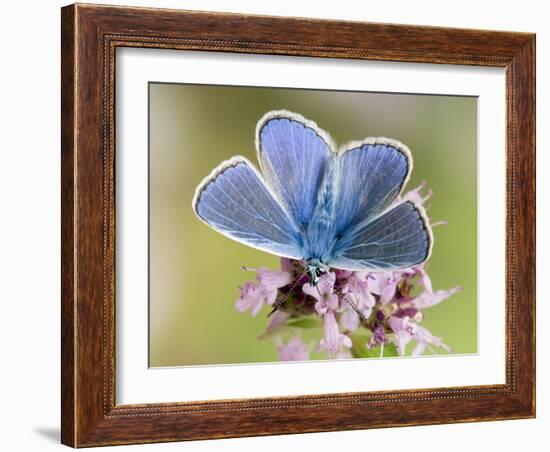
(235, 201)
(399, 238)
(293, 153)
(371, 175)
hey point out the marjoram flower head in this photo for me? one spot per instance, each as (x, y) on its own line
(356, 313)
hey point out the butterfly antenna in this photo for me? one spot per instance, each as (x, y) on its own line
(350, 302)
(280, 302)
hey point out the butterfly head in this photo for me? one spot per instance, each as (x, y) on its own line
(315, 270)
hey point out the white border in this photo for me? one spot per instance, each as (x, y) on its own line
(135, 383)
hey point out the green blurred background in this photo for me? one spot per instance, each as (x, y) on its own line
(195, 272)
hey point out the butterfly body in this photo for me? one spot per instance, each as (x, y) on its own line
(315, 270)
(330, 209)
(320, 233)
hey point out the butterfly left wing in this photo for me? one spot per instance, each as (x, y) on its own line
(235, 201)
(293, 154)
(399, 238)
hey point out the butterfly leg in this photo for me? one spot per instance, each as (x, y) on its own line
(353, 306)
(280, 302)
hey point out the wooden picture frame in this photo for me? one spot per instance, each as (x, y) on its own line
(90, 35)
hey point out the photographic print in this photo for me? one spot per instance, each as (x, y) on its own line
(295, 225)
(276, 225)
(328, 237)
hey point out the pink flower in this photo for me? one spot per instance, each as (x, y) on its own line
(357, 298)
(357, 283)
(383, 284)
(428, 298)
(378, 336)
(416, 196)
(272, 280)
(323, 293)
(382, 304)
(357, 287)
(349, 320)
(293, 350)
(343, 353)
(406, 330)
(332, 339)
(278, 319)
(253, 297)
(424, 278)
(424, 338)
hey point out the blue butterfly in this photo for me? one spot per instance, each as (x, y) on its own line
(332, 209)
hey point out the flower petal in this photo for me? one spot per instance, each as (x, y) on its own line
(293, 350)
(388, 293)
(278, 319)
(427, 299)
(424, 337)
(403, 331)
(332, 338)
(349, 320)
(271, 279)
(311, 290)
(424, 279)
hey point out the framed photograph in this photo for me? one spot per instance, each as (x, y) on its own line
(282, 225)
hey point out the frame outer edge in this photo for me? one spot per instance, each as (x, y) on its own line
(88, 417)
(68, 242)
(525, 126)
(533, 170)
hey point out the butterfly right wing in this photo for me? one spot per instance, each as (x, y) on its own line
(372, 174)
(399, 238)
(235, 201)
